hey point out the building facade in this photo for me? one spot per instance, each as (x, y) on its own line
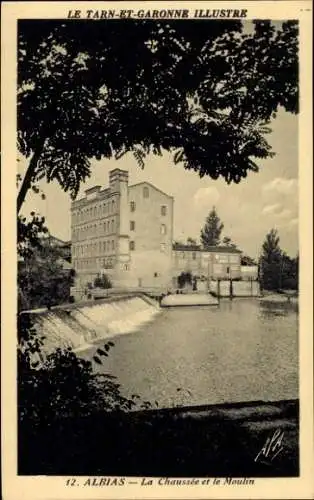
(220, 262)
(124, 232)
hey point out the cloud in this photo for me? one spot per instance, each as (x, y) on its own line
(206, 197)
(282, 186)
(271, 209)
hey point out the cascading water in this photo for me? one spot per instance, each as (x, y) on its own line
(78, 327)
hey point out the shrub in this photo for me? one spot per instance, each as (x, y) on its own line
(61, 383)
(103, 281)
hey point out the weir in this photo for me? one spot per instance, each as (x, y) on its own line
(78, 326)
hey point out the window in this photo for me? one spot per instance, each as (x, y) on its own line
(193, 255)
(163, 229)
(112, 245)
(223, 258)
(132, 206)
(155, 275)
(112, 206)
(132, 245)
(163, 210)
(228, 270)
(234, 259)
(112, 226)
(132, 225)
(145, 192)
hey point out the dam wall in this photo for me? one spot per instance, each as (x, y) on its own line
(78, 326)
(225, 288)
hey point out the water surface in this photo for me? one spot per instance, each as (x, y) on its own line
(242, 350)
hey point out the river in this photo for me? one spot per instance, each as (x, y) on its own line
(242, 350)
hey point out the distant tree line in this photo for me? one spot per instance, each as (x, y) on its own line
(277, 270)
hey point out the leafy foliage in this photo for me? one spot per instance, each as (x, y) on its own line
(246, 260)
(184, 279)
(29, 234)
(108, 88)
(277, 270)
(41, 278)
(103, 281)
(61, 383)
(210, 234)
(227, 241)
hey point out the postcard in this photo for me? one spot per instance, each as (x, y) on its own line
(157, 258)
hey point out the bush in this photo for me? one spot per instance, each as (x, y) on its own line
(61, 384)
(184, 278)
(102, 281)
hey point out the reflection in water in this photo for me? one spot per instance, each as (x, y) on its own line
(242, 350)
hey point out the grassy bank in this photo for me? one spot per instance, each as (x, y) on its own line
(205, 441)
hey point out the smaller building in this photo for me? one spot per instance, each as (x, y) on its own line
(249, 273)
(217, 262)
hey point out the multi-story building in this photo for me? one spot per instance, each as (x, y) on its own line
(126, 232)
(123, 231)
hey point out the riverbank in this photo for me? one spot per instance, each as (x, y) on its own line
(218, 440)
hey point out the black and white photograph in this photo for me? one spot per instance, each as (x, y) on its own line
(158, 255)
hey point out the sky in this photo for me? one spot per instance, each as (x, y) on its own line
(264, 200)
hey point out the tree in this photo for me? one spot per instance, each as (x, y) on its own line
(271, 262)
(210, 234)
(289, 271)
(246, 260)
(185, 278)
(103, 281)
(30, 234)
(42, 281)
(207, 95)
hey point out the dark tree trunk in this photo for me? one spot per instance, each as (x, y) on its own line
(30, 174)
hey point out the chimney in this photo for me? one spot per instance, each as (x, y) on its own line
(117, 178)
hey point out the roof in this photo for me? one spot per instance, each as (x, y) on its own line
(212, 249)
(85, 201)
(192, 248)
(151, 185)
(92, 189)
